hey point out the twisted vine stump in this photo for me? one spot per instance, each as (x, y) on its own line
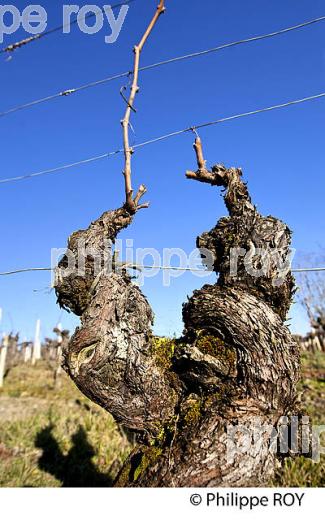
(236, 363)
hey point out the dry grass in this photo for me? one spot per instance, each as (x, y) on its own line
(301, 471)
(51, 437)
(55, 437)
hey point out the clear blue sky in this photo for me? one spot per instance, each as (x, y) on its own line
(281, 153)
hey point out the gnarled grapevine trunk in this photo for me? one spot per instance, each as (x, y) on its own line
(236, 362)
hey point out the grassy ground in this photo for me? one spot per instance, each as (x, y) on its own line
(301, 471)
(52, 437)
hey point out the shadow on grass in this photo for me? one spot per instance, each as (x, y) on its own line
(75, 469)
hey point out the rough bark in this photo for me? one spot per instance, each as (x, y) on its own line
(109, 356)
(236, 362)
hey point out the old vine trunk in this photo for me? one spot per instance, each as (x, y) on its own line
(236, 363)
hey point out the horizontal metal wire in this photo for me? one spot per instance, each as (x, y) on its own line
(68, 92)
(161, 138)
(161, 267)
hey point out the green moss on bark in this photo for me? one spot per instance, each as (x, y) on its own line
(214, 346)
(163, 351)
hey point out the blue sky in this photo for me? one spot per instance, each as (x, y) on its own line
(281, 153)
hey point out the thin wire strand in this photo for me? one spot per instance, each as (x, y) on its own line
(92, 84)
(26, 270)
(58, 169)
(309, 269)
(162, 138)
(161, 267)
(64, 93)
(17, 45)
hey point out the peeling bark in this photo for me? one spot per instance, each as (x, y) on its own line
(236, 362)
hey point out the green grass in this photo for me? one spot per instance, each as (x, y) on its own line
(302, 471)
(53, 437)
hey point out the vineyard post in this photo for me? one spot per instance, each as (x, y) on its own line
(58, 368)
(27, 350)
(3, 355)
(37, 343)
